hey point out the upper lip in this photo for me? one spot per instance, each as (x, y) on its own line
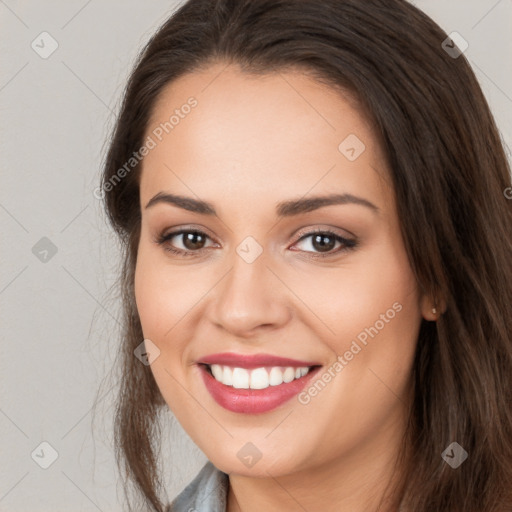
(253, 361)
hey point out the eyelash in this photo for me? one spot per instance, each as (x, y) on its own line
(347, 244)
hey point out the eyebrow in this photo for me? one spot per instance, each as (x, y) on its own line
(283, 209)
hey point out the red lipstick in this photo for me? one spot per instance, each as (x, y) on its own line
(254, 401)
(253, 361)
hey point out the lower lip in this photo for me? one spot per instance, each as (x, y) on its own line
(253, 401)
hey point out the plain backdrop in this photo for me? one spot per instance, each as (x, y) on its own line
(58, 256)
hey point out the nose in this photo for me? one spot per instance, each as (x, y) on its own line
(249, 300)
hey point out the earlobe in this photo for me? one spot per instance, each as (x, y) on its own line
(432, 308)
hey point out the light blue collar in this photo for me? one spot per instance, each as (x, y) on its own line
(206, 493)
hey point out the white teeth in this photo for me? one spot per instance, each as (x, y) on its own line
(258, 378)
(240, 378)
(227, 376)
(289, 374)
(217, 371)
(276, 376)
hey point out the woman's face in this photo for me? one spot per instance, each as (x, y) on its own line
(276, 271)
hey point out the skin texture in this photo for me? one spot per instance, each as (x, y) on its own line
(250, 143)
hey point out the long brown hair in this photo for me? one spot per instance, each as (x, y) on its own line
(450, 175)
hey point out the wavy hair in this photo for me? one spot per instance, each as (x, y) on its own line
(450, 174)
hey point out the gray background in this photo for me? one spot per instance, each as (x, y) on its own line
(58, 319)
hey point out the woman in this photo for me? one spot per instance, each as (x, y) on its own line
(317, 281)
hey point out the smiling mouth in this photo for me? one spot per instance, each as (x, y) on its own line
(256, 378)
(254, 383)
(254, 390)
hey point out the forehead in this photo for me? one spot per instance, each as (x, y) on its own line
(259, 136)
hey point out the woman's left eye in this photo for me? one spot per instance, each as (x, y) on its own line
(322, 243)
(319, 243)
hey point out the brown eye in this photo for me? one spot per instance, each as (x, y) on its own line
(193, 240)
(184, 242)
(323, 242)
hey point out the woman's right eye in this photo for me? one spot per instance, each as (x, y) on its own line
(192, 242)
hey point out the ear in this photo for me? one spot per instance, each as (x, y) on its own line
(432, 308)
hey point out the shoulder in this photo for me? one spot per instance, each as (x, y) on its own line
(206, 492)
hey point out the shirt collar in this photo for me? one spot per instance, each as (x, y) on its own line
(207, 491)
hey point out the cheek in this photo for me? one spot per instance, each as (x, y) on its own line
(162, 295)
(167, 301)
(377, 327)
(371, 308)
(375, 316)
(148, 296)
(160, 310)
(353, 296)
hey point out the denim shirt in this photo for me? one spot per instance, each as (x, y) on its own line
(208, 492)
